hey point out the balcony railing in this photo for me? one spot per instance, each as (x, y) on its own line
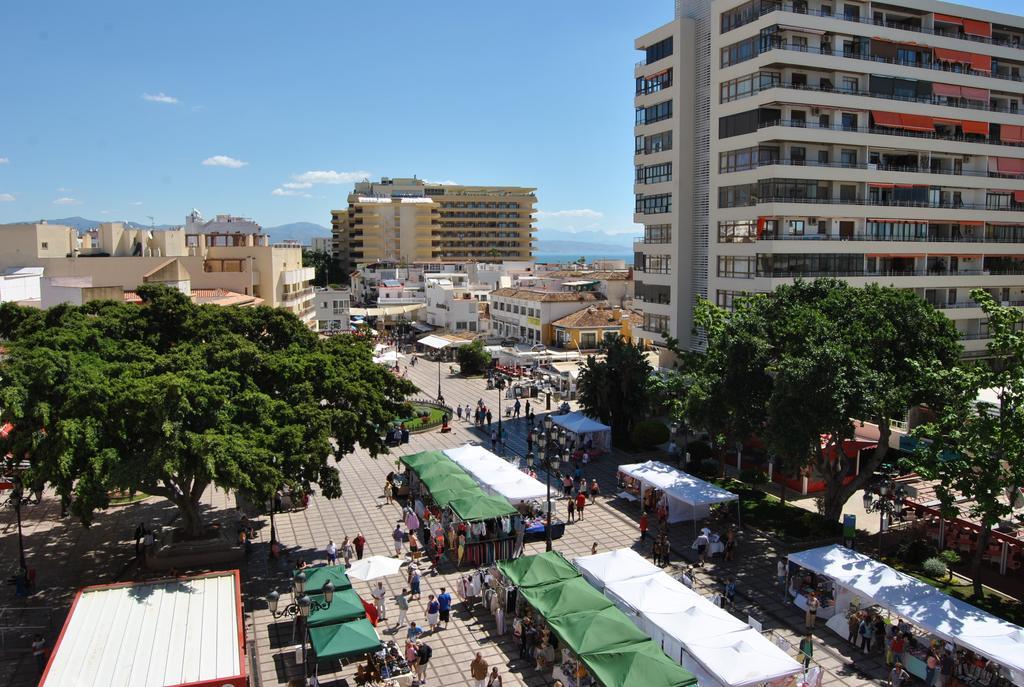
(869, 237)
(768, 8)
(963, 103)
(874, 167)
(299, 295)
(774, 274)
(885, 203)
(803, 124)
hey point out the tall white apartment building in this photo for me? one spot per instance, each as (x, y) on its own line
(875, 142)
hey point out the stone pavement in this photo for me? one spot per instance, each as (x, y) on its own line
(70, 556)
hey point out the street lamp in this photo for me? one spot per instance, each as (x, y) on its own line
(551, 443)
(500, 386)
(301, 608)
(886, 497)
(440, 396)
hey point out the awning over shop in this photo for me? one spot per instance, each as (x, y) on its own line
(614, 566)
(475, 508)
(335, 574)
(539, 570)
(688, 497)
(344, 640)
(496, 475)
(450, 483)
(596, 630)
(582, 425)
(436, 342)
(569, 596)
(346, 605)
(637, 664)
(417, 460)
(386, 311)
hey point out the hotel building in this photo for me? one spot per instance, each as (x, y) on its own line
(874, 142)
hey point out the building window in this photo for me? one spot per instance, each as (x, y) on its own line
(727, 299)
(658, 233)
(743, 14)
(657, 264)
(737, 196)
(659, 50)
(743, 231)
(588, 340)
(654, 113)
(655, 143)
(746, 86)
(656, 323)
(653, 205)
(813, 264)
(645, 85)
(741, 267)
(654, 174)
(739, 52)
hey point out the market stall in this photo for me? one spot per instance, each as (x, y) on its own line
(687, 497)
(614, 566)
(496, 475)
(344, 640)
(929, 617)
(585, 428)
(533, 571)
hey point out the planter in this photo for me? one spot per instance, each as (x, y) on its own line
(167, 554)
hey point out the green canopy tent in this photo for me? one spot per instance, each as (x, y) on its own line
(346, 605)
(454, 487)
(636, 664)
(344, 640)
(475, 508)
(597, 630)
(569, 596)
(317, 577)
(534, 571)
(436, 475)
(423, 459)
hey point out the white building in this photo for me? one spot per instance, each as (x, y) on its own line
(19, 284)
(332, 309)
(221, 224)
(455, 305)
(527, 315)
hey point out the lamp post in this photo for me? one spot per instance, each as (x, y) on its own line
(18, 498)
(301, 608)
(499, 384)
(886, 497)
(440, 396)
(550, 443)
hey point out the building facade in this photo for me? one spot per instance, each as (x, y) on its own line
(454, 304)
(332, 309)
(527, 315)
(410, 220)
(873, 143)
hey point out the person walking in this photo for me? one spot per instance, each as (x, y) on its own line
(572, 509)
(897, 675)
(347, 551)
(516, 407)
(852, 628)
(656, 551)
(458, 412)
(39, 653)
(594, 490)
(360, 543)
(444, 606)
(643, 526)
(380, 600)
(811, 617)
(666, 549)
(527, 409)
(494, 679)
(702, 548)
(414, 583)
(566, 485)
(866, 630)
(931, 666)
(414, 631)
(402, 603)
(898, 645)
(529, 441)
(423, 655)
(398, 537)
(494, 439)
(332, 552)
(946, 667)
(478, 671)
(433, 613)
(593, 549)
(488, 416)
(780, 574)
(730, 544)
(581, 502)
(730, 592)
(467, 412)
(389, 492)
(806, 650)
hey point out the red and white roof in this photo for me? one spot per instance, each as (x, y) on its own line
(184, 631)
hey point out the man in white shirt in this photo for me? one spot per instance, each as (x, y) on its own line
(379, 600)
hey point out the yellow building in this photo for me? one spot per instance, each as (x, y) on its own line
(585, 329)
(410, 220)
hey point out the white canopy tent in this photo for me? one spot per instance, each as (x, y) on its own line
(583, 426)
(921, 604)
(496, 475)
(614, 566)
(434, 341)
(689, 498)
(720, 649)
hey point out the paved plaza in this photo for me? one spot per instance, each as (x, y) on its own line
(68, 556)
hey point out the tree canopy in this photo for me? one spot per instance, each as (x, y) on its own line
(169, 398)
(617, 390)
(473, 358)
(797, 365)
(975, 447)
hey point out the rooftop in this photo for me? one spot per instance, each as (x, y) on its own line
(595, 317)
(546, 296)
(602, 275)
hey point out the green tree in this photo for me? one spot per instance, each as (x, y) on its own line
(328, 269)
(800, 363)
(975, 447)
(617, 390)
(473, 358)
(170, 398)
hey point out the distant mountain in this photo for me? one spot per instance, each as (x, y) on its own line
(303, 232)
(83, 224)
(580, 248)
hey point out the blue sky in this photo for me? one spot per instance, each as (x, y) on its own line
(122, 110)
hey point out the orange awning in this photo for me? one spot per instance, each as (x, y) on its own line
(917, 122)
(948, 19)
(947, 55)
(980, 94)
(879, 184)
(970, 127)
(1010, 165)
(946, 90)
(973, 27)
(981, 63)
(1018, 196)
(894, 255)
(886, 119)
(969, 223)
(950, 122)
(1011, 133)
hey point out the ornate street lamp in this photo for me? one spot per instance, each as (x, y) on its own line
(499, 384)
(885, 498)
(301, 607)
(550, 443)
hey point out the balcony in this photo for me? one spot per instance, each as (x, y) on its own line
(299, 276)
(1016, 207)
(871, 167)
(890, 273)
(803, 124)
(296, 296)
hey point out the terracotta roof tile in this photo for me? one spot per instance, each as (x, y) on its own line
(547, 296)
(594, 317)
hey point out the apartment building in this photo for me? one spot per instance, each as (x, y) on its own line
(454, 304)
(527, 315)
(410, 220)
(875, 142)
(332, 309)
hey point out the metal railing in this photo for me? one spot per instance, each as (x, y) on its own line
(881, 203)
(887, 273)
(871, 237)
(873, 167)
(803, 124)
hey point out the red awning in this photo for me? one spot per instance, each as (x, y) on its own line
(891, 119)
(1018, 196)
(950, 122)
(917, 122)
(904, 186)
(1011, 133)
(981, 63)
(947, 55)
(979, 94)
(1010, 165)
(973, 27)
(948, 19)
(969, 223)
(974, 127)
(879, 184)
(760, 226)
(946, 90)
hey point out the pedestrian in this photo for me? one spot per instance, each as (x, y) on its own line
(494, 439)
(414, 545)
(347, 551)
(467, 412)
(897, 675)
(780, 574)
(140, 532)
(529, 441)
(946, 667)
(730, 591)
(488, 416)
(527, 409)
(414, 631)
(433, 613)
(702, 548)
(566, 485)
(730, 544)
(852, 627)
(593, 549)
(423, 654)
(656, 551)
(594, 491)
(515, 409)
(581, 502)
(444, 606)
(360, 543)
(529, 638)
(811, 617)
(458, 412)
(398, 536)
(572, 509)
(931, 666)
(380, 600)
(332, 552)
(898, 645)
(414, 582)
(494, 679)
(402, 602)
(643, 526)
(866, 630)
(39, 653)
(478, 671)
(807, 650)
(586, 458)
(389, 493)
(879, 633)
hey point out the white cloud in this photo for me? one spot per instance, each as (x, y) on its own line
(4, 161)
(224, 161)
(282, 191)
(6, 197)
(160, 97)
(294, 185)
(330, 177)
(448, 182)
(135, 202)
(584, 213)
(67, 201)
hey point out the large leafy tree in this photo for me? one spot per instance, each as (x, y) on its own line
(473, 358)
(170, 398)
(328, 268)
(974, 446)
(797, 365)
(617, 389)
